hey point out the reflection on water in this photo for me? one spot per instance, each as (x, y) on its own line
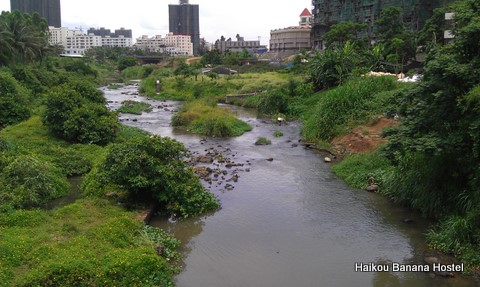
(289, 221)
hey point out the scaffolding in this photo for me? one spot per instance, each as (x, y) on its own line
(330, 12)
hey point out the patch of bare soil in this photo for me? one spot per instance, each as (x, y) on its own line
(363, 138)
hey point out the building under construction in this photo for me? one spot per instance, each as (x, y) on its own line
(330, 12)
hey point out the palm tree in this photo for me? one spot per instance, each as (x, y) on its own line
(28, 36)
(6, 42)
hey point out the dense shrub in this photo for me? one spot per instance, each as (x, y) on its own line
(273, 103)
(153, 168)
(79, 67)
(418, 175)
(76, 112)
(87, 90)
(14, 101)
(28, 182)
(28, 78)
(91, 123)
(125, 62)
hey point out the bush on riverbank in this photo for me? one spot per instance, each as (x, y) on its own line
(14, 101)
(151, 169)
(207, 119)
(31, 137)
(76, 113)
(27, 182)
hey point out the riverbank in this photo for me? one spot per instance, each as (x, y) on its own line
(280, 203)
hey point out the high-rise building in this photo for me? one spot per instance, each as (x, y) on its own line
(329, 12)
(49, 9)
(184, 20)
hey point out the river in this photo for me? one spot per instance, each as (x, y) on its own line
(287, 221)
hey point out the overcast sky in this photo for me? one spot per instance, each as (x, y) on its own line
(249, 18)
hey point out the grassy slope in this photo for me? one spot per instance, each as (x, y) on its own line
(73, 243)
(82, 243)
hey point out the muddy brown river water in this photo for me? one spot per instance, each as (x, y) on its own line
(287, 222)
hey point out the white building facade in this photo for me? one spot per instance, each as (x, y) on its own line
(76, 42)
(175, 45)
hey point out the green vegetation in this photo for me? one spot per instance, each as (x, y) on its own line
(348, 105)
(151, 169)
(181, 88)
(134, 107)
(277, 134)
(431, 160)
(208, 119)
(356, 169)
(76, 113)
(32, 138)
(28, 182)
(54, 124)
(114, 86)
(14, 106)
(88, 243)
(263, 141)
(23, 38)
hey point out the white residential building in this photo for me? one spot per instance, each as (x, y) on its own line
(119, 41)
(58, 36)
(76, 42)
(182, 43)
(153, 44)
(175, 45)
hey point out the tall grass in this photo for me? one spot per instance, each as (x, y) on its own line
(460, 236)
(426, 183)
(356, 169)
(207, 119)
(181, 88)
(346, 104)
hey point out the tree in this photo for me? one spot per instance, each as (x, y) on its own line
(153, 168)
(440, 134)
(344, 31)
(75, 114)
(25, 35)
(333, 66)
(393, 33)
(213, 57)
(434, 28)
(126, 61)
(14, 101)
(183, 69)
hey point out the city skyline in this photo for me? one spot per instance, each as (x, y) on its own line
(248, 18)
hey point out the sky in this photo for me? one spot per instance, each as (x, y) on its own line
(249, 18)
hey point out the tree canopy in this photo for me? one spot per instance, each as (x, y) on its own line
(23, 38)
